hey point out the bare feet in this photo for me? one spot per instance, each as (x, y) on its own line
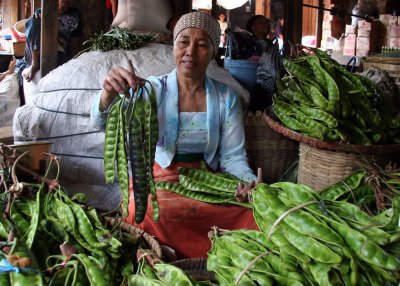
(29, 72)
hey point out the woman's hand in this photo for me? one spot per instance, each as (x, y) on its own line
(118, 80)
(243, 191)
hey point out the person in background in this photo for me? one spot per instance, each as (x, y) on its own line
(260, 27)
(111, 11)
(199, 119)
(223, 26)
(69, 23)
(279, 31)
(10, 69)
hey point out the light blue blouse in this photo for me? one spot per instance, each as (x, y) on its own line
(193, 133)
(226, 140)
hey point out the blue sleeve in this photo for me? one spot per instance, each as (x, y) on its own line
(233, 157)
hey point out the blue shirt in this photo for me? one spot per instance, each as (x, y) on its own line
(226, 140)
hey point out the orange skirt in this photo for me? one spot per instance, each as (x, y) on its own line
(184, 223)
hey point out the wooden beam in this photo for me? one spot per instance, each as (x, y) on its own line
(35, 4)
(48, 46)
(14, 8)
(293, 21)
(263, 7)
(320, 21)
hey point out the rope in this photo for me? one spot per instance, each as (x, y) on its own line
(286, 213)
(249, 266)
(65, 89)
(60, 136)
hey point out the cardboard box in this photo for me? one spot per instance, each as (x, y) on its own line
(362, 53)
(10, 41)
(363, 43)
(350, 39)
(364, 33)
(394, 31)
(394, 42)
(349, 51)
(351, 29)
(384, 19)
(366, 25)
(393, 20)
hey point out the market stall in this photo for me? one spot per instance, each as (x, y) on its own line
(326, 212)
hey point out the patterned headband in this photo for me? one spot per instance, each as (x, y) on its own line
(200, 20)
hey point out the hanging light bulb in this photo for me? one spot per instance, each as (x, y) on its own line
(231, 4)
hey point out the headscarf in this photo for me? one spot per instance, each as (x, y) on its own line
(202, 21)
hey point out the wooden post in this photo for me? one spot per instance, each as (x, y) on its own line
(48, 46)
(263, 7)
(293, 20)
(35, 4)
(14, 8)
(320, 19)
(10, 13)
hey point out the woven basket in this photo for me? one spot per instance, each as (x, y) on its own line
(323, 163)
(267, 149)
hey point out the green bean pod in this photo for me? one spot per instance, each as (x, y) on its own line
(320, 115)
(122, 162)
(29, 237)
(265, 217)
(138, 158)
(202, 197)
(110, 141)
(348, 184)
(95, 274)
(151, 138)
(210, 179)
(299, 72)
(286, 115)
(299, 220)
(28, 277)
(172, 275)
(316, 95)
(363, 247)
(196, 186)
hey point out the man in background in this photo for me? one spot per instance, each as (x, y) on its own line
(68, 44)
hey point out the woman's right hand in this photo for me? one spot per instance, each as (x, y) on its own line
(117, 81)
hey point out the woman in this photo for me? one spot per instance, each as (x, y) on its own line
(199, 118)
(260, 27)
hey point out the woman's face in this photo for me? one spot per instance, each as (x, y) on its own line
(261, 26)
(193, 51)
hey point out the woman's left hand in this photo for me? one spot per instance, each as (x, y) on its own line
(243, 191)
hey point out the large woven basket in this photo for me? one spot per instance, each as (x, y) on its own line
(323, 163)
(267, 149)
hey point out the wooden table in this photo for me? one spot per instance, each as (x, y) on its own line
(15, 45)
(6, 135)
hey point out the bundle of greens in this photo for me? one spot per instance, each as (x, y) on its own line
(117, 39)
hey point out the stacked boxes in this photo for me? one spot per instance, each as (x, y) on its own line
(330, 25)
(361, 40)
(367, 37)
(389, 31)
(350, 39)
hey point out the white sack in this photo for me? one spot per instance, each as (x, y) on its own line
(9, 99)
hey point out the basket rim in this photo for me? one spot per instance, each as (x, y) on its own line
(332, 146)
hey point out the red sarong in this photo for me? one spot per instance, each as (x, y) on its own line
(184, 223)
